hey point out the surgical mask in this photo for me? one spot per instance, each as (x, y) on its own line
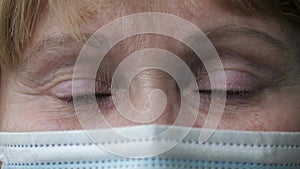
(82, 150)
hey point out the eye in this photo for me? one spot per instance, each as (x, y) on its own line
(63, 92)
(242, 94)
(231, 94)
(86, 98)
(239, 85)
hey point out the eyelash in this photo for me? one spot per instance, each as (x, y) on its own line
(231, 94)
(86, 98)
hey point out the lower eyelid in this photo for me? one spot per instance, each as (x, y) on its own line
(236, 101)
(229, 93)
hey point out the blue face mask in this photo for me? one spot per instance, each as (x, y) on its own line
(81, 149)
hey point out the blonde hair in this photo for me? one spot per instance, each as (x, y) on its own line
(18, 19)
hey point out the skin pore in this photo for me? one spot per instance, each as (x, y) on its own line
(261, 67)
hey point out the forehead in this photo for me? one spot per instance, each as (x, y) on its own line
(85, 17)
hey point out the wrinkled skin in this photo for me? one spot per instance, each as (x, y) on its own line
(36, 97)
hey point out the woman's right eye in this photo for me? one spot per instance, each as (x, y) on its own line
(86, 98)
(81, 93)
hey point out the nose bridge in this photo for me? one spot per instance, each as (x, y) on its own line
(147, 81)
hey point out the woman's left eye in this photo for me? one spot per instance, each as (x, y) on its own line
(239, 85)
(231, 94)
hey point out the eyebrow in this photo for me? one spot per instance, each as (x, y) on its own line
(60, 41)
(220, 31)
(249, 7)
(56, 42)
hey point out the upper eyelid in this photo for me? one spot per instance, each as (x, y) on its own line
(82, 87)
(236, 80)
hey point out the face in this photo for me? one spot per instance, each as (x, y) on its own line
(260, 64)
